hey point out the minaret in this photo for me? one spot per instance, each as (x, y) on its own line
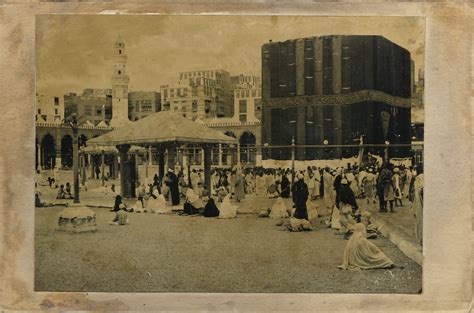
(119, 86)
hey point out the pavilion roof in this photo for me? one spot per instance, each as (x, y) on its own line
(97, 149)
(162, 127)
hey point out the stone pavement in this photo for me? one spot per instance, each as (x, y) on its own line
(398, 227)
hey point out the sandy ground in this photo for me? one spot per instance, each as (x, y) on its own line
(171, 253)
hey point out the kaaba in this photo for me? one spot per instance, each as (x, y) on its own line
(335, 90)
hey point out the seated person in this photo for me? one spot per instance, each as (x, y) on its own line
(193, 203)
(227, 209)
(312, 210)
(61, 194)
(279, 209)
(121, 216)
(118, 202)
(362, 254)
(157, 203)
(211, 210)
(272, 191)
(221, 193)
(38, 202)
(205, 194)
(68, 191)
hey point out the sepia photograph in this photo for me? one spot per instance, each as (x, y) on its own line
(229, 154)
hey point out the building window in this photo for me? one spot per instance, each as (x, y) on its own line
(39, 111)
(56, 100)
(120, 51)
(242, 106)
(195, 106)
(243, 118)
(99, 112)
(119, 72)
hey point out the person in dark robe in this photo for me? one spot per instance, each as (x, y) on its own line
(384, 182)
(321, 186)
(285, 186)
(174, 187)
(300, 196)
(337, 186)
(118, 202)
(346, 195)
(156, 181)
(211, 210)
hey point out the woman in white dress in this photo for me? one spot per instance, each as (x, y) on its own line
(227, 210)
(279, 209)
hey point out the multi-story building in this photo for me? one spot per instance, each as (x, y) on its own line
(333, 90)
(199, 94)
(49, 109)
(244, 81)
(93, 105)
(143, 103)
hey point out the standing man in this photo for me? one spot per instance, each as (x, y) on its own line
(384, 188)
(97, 172)
(300, 196)
(417, 205)
(239, 187)
(174, 187)
(328, 182)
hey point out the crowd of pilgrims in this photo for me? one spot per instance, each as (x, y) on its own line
(338, 188)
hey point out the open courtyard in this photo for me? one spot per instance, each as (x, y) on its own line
(172, 253)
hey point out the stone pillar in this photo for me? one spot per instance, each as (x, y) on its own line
(207, 166)
(238, 154)
(38, 156)
(161, 162)
(83, 169)
(220, 155)
(171, 157)
(150, 156)
(123, 153)
(115, 166)
(102, 167)
(75, 165)
(137, 175)
(91, 165)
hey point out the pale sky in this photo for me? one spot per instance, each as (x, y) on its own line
(74, 51)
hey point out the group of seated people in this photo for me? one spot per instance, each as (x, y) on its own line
(64, 192)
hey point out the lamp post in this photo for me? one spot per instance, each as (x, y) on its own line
(292, 160)
(325, 142)
(73, 123)
(387, 143)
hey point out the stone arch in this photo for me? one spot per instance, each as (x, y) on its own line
(48, 152)
(66, 151)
